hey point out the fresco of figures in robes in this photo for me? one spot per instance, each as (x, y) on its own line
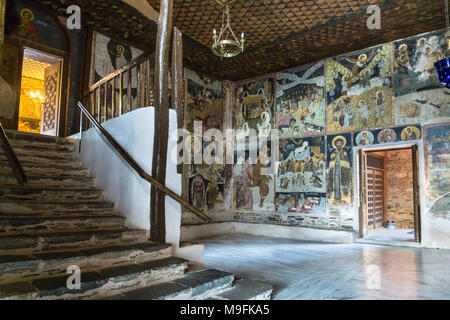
(203, 101)
(387, 135)
(359, 90)
(437, 149)
(253, 190)
(300, 101)
(419, 96)
(339, 187)
(301, 202)
(301, 166)
(204, 185)
(254, 107)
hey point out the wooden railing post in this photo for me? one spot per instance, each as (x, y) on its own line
(177, 80)
(161, 89)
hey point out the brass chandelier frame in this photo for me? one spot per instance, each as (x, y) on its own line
(230, 46)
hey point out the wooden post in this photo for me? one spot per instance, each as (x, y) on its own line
(2, 30)
(177, 80)
(157, 198)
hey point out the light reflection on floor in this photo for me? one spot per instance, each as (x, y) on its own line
(313, 270)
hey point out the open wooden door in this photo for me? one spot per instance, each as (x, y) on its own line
(417, 231)
(52, 98)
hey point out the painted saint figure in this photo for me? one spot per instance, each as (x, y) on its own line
(26, 29)
(339, 175)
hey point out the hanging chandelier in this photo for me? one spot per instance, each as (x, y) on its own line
(226, 44)
(443, 66)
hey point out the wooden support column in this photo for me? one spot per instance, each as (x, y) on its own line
(157, 198)
(177, 80)
(2, 30)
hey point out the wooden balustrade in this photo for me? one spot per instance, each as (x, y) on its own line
(124, 90)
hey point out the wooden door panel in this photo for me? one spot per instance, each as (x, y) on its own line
(10, 85)
(52, 87)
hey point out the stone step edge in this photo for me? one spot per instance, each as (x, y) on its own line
(259, 291)
(28, 136)
(98, 283)
(22, 265)
(124, 231)
(189, 287)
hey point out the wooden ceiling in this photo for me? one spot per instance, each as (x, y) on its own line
(279, 33)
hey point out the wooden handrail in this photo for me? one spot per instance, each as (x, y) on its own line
(136, 167)
(12, 158)
(114, 74)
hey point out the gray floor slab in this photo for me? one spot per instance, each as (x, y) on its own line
(313, 270)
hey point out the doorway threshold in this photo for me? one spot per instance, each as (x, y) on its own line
(410, 244)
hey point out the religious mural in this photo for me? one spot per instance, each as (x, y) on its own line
(254, 106)
(203, 101)
(387, 135)
(301, 202)
(359, 90)
(419, 96)
(252, 190)
(301, 102)
(26, 22)
(339, 186)
(301, 166)
(437, 150)
(109, 55)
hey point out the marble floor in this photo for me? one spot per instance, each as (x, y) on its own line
(385, 234)
(315, 270)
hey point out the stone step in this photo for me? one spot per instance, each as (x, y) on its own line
(45, 182)
(54, 156)
(195, 285)
(18, 267)
(37, 146)
(246, 290)
(32, 162)
(62, 242)
(34, 138)
(22, 226)
(37, 171)
(54, 209)
(95, 284)
(50, 195)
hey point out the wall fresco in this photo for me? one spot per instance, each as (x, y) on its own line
(359, 90)
(437, 140)
(301, 166)
(301, 202)
(339, 186)
(300, 101)
(203, 101)
(254, 107)
(387, 135)
(252, 190)
(108, 55)
(26, 22)
(419, 97)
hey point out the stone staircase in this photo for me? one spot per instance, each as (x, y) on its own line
(62, 220)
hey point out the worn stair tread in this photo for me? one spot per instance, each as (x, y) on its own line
(42, 146)
(63, 241)
(37, 195)
(46, 264)
(194, 284)
(48, 171)
(43, 182)
(49, 155)
(32, 163)
(94, 283)
(27, 225)
(247, 290)
(55, 208)
(35, 137)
